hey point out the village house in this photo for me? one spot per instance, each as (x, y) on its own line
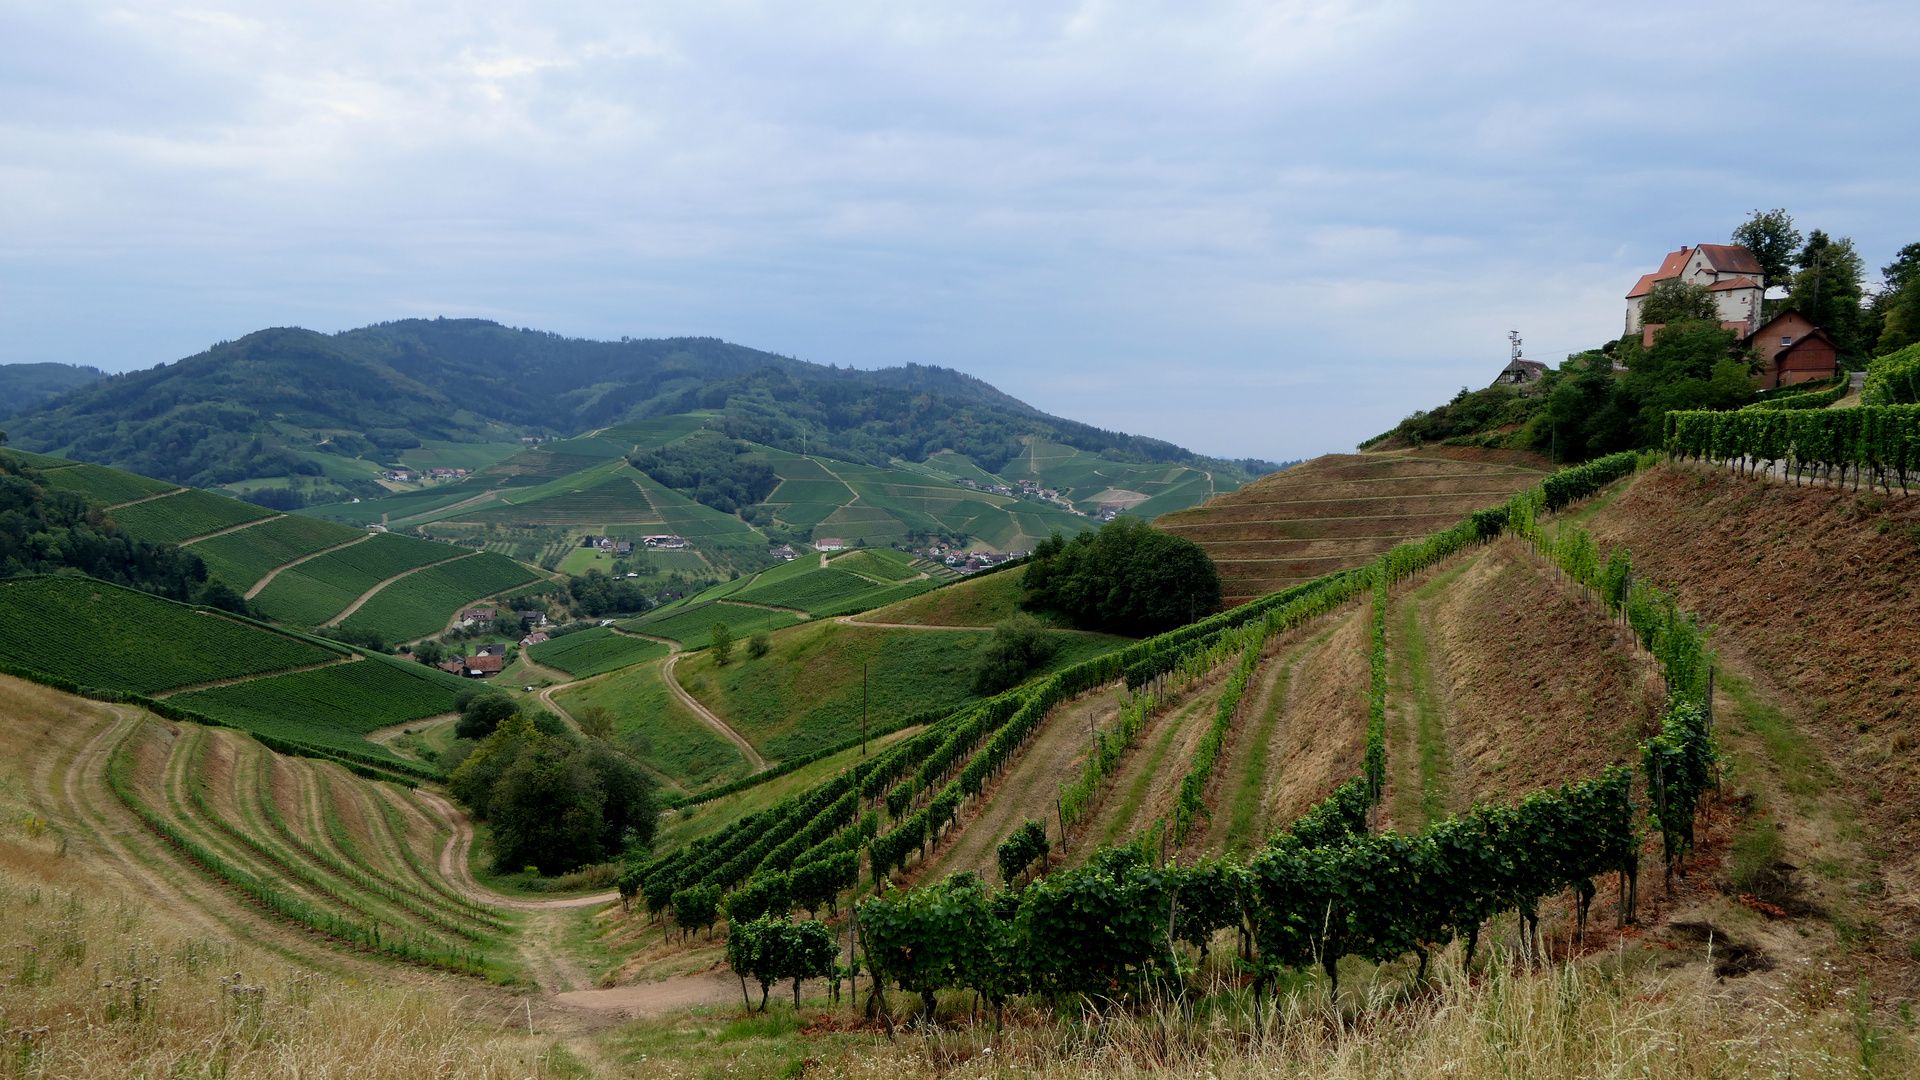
(1793, 350)
(784, 553)
(481, 667)
(475, 615)
(623, 547)
(668, 542)
(1729, 272)
(829, 543)
(532, 639)
(532, 618)
(492, 648)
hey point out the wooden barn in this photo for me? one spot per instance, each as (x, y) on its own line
(1793, 350)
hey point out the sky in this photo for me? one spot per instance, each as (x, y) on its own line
(1266, 229)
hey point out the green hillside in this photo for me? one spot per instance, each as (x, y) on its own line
(331, 707)
(421, 603)
(102, 635)
(243, 557)
(191, 512)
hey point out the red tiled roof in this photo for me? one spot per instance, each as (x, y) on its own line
(1730, 259)
(488, 664)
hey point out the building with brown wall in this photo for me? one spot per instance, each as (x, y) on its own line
(1793, 350)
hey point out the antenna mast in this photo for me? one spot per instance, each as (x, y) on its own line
(1513, 337)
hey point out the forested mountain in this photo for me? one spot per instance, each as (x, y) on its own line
(279, 402)
(23, 386)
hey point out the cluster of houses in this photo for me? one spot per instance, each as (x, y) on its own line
(608, 545)
(1024, 489)
(1790, 347)
(486, 616)
(486, 662)
(968, 562)
(407, 476)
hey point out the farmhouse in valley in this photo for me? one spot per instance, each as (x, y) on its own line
(1729, 272)
(829, 543)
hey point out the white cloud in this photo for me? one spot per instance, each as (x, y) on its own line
(1257, 228)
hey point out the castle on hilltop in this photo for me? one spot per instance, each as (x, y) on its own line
(1729, 272)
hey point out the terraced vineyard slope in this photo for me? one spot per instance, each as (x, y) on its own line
(1341, 510)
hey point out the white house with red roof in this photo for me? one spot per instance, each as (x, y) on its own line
(1729, 272)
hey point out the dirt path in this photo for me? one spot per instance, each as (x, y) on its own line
(1140, 791)
(659, 998)
(368, 595)
(796, 612)
(707, 717)
(275, 572)
(1026, 790)
(855, 620)
(230, 528)
(145, 498)
(335, 662)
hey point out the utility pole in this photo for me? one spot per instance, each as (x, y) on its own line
(863, 709)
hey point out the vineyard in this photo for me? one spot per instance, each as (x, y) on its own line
(1878, 445)
(586, 653)
(190, 513)
(421, 603)
(105, 636)
(308, 844)
(109, 486)
(1297, 904)
(321, 588)
(330, 707)
(242, 558)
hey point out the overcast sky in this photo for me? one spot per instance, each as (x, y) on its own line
(1252, 228)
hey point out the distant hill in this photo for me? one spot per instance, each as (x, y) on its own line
(25, 386)
(328, 412)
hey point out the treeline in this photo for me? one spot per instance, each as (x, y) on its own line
(555, 800)
(713, 472)
(852, 419)
(1127, 578)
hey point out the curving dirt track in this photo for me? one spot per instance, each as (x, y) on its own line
(707, 717)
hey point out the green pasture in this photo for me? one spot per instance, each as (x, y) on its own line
(650, 724)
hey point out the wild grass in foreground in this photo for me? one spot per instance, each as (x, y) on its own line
(1591, 1019)
(98, 987)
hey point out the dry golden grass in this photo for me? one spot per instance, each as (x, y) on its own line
(1590, 1019)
